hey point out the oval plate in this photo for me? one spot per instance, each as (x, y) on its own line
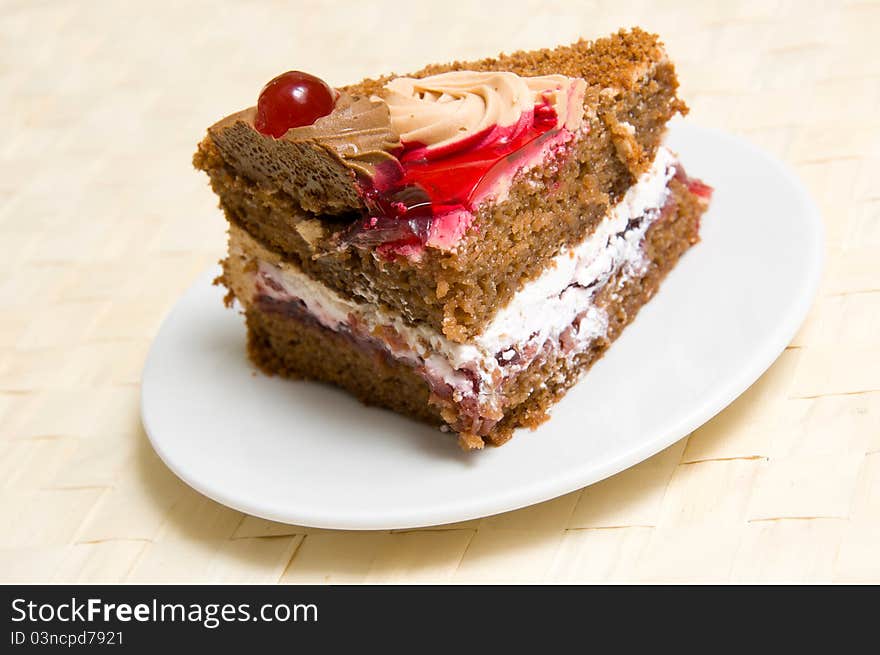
(304, 453)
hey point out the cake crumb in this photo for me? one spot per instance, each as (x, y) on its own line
(469, 441)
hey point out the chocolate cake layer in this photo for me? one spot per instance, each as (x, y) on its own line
(631, 94)
(285, 339)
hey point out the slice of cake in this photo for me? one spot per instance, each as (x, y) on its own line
(462, 243)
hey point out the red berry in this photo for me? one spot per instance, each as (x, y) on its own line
(292, 99)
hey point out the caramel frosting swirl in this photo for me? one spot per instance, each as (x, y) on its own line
(440, 110)
(358, 129)
(564, 94)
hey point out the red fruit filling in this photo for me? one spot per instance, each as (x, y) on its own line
(434, 190)
(699, 188)
(695, 186)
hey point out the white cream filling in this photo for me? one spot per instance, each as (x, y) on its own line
(549, 304)
(542, 310)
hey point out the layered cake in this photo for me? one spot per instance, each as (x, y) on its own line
(459, 244)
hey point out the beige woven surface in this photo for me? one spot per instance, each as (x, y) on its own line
(103, 224)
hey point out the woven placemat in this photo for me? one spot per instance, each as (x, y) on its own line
(103, 223)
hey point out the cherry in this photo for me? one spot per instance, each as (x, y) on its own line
(292, 99)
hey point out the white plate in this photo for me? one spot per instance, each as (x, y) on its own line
(305, 453)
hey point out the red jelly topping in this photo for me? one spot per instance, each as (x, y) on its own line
(435, 189)
(292, 99)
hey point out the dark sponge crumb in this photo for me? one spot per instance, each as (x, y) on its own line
(611, 62)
